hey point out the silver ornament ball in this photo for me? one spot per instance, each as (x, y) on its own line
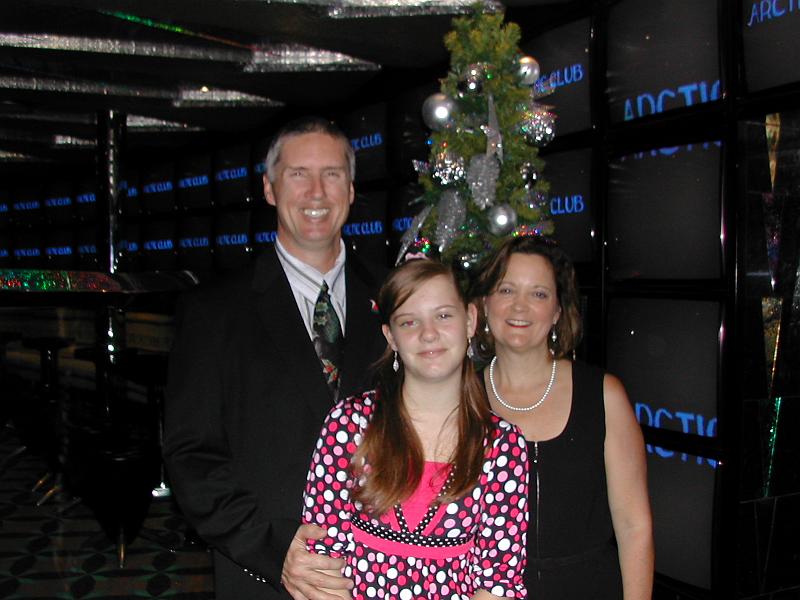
(528, 71)
(438, 111)
(471, 82)
(502, 219)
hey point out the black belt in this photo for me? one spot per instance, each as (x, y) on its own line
(555, 562)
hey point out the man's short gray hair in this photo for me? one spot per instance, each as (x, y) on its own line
(308, 125)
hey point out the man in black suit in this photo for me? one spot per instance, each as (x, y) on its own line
(247, 396)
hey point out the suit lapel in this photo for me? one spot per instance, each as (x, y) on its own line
(286, 332)
(361, 326)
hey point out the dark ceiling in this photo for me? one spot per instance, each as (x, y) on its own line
(186, 70)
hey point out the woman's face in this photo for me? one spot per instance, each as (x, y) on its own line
(430, 330)
(524, 306)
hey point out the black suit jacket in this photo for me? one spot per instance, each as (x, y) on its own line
(246, 399)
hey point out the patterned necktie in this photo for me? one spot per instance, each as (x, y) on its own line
(328, 339)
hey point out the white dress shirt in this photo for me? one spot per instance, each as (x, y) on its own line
(306, 283)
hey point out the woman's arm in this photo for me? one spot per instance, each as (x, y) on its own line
(500, 541)
(628, 499)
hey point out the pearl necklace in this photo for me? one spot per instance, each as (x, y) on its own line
(521, 408)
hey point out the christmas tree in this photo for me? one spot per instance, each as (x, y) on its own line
(483, 180)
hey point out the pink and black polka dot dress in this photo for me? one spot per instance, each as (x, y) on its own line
(422, 549)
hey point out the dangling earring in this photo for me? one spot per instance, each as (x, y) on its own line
(553, 336)
(395, 363)
(470, 351)
(486, 324)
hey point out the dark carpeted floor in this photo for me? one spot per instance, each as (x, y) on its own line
(45, 554)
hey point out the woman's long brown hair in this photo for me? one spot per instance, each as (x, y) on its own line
(391, 449)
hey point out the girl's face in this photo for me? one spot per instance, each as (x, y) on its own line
(523, 308)
(430, 331)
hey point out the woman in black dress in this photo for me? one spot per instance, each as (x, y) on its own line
(590, 533)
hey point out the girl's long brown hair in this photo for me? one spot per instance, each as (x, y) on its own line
(391, 448)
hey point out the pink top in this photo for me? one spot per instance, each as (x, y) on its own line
(476, 542)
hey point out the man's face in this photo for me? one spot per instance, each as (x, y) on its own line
(312, 193)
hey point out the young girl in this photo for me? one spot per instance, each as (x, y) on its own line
(422, 490)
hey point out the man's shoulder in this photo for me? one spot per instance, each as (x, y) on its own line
(370, 272)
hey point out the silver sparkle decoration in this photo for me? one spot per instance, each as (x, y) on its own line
(51, 117)
(212, 98)
(537, 200)
(287, 58)
(482, 175)
(45, 139)
(66, 43)
(438, 111)
(528, 70)
(410, 234)
(448, 168)
(537, 125)
(494, 138)
(61, 86)
(529, 175)
(468, 261)
(199, 97)
(355, 9)
(17, 157)
(452, 212)
(421, 166)
(73, 142)
(502, 219)
(141, 124)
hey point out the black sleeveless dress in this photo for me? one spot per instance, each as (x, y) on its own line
(571, 549)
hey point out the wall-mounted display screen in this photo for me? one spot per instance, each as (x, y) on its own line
(403, 206)
(26, 206)
(158, 189)
(232, 237)
(366, 130)
(570, 178)
(365, 230)
(59, 249)
(664, 213)
(58, 203)
(662, 55)
(264, 226)
(666, 352)
(158, 246)
(232, 176)
(258, 168)
(771, 36)
(194, 244)
(6, 251)
(193, 180)
(408, 135)
(129, 248)
(563, 57)
(86, 201)
(682, 500)
(86, 245)
(28, 250)
(130, 194)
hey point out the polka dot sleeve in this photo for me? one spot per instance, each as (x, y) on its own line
(326, 501)
(500, 543)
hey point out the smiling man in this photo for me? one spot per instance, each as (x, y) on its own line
(258, 362)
